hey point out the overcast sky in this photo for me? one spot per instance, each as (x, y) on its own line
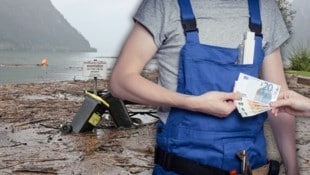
(104, 23)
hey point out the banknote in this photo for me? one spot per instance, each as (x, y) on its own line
(248, 108)
(256, 95)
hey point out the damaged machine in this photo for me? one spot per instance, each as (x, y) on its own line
(93, 109)
(98, 104)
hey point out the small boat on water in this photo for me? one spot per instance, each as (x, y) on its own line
(44, 62)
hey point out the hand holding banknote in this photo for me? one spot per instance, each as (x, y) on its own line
(256, 95)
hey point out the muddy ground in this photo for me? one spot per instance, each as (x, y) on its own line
(31, 143)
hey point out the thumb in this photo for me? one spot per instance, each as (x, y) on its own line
(232, 96)
(280, 103)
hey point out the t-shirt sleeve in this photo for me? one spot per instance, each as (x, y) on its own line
(150, 14)
(276, 32)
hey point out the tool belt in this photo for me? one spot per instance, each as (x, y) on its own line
(183, 166)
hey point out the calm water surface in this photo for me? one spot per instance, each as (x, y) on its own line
(25, 67)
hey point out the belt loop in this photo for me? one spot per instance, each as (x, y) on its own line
(167, 161)
(163, 158)
(274, 167)
(156, 156)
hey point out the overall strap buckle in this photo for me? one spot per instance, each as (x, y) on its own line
(255, 21)
(188, 21)
(189, 25)
(256, 28)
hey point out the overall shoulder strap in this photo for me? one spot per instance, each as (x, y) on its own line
(255, 22)
(188, 21)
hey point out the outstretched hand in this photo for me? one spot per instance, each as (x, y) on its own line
(291, 102)
(219, 104)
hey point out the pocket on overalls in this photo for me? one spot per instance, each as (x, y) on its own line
(231, 148)
(206, 68)
(204, 75)
(254, 147)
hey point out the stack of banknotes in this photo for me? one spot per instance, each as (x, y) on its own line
(256, 95)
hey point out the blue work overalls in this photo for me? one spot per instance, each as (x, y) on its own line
(203, 138)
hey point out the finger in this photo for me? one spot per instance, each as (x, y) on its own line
(237, 96)
(232, 96)
(285, 95)
(281, 95)
(274, 111)
(280, 103)
(290, 111)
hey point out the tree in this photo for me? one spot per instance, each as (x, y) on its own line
(287, 12)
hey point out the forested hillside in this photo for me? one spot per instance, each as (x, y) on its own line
(36, 25)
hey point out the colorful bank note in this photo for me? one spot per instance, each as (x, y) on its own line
(256, 95)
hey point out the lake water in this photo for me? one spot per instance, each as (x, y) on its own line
(24, 67)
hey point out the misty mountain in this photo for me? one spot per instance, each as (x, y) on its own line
(36, 25)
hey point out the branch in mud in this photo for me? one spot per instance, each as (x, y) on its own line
(31, 122)
(36, 160)
(134, 166)
(47, 171)
(15, 145)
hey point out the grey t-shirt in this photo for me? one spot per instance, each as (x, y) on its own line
(220, 23)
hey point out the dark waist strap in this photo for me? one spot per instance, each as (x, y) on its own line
(183, 166)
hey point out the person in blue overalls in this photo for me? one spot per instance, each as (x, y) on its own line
(196, 44)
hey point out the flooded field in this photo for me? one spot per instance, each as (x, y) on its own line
(40, 150)
(31, 142)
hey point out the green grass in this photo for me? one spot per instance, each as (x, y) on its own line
(302, 73)
(299, 58)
